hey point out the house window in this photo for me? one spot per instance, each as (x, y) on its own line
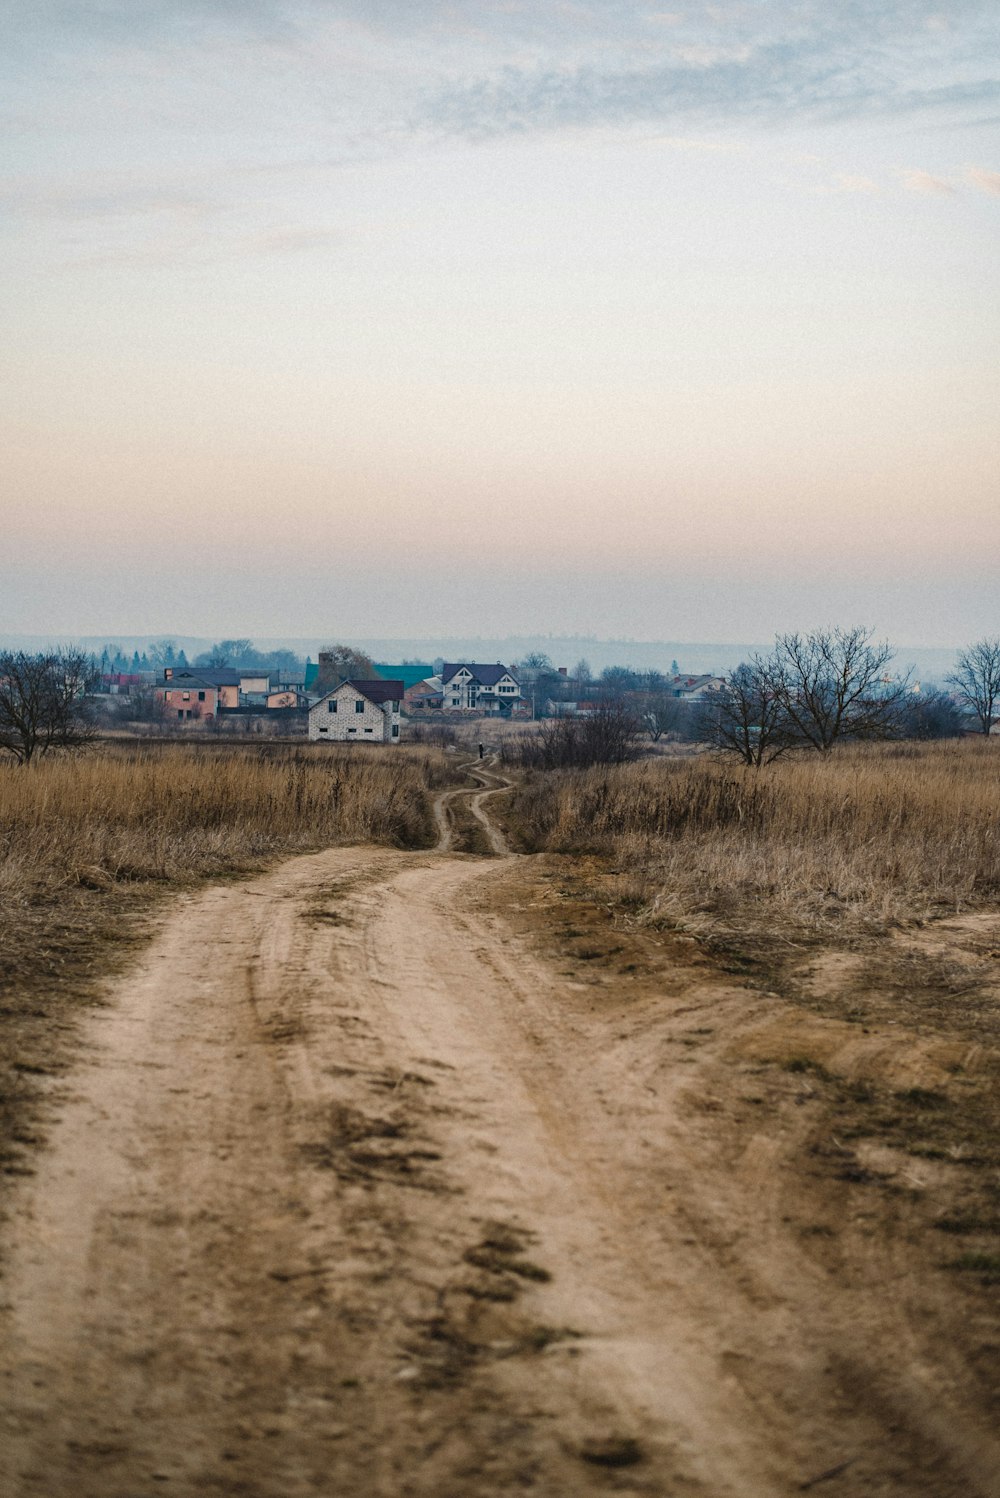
(395, 730)
(331, 706)
(201, 696)
(359, 706)
(186, 697)
(323, 728)
(369, 730)
(455, 702)
(352, 730)
(180, 712)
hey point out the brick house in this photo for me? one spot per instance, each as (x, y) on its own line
(423, 695)
(357, 711)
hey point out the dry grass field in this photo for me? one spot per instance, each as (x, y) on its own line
(88, 844)
(723, 1055)
(859, 894)
(858, 840)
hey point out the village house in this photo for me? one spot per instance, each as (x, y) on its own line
(235, 688)
(124, 683)
(472, 687)
(357, 711)
(285, 699)
(695, 688)
(189, 699)
(424, 695)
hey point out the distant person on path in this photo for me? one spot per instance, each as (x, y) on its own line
(480, 751)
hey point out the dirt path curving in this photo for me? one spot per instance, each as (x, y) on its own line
(358, 1196)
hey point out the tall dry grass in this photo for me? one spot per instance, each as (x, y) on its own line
(87, 843)
(869, 834)
(178, 812)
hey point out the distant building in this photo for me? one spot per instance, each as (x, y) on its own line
(189, 699)
(424, 696)
(357, 711)
(584, 709)
(123, 683)
(234, 688)
(474, 687)
(285, 699)
(695, 688)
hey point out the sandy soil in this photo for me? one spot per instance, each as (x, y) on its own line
(360, 1191)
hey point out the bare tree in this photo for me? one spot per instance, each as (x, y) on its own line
(662, 714)
(228, 653)
(42, 704)
(835, 683)
(536, 662)
(339, 662)
(617, 680)
(747, 717)
(141, 705)
(606, 736)
(931, 714)
(162, 653)
(977, 681)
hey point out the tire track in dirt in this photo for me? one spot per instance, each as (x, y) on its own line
(348, 1201)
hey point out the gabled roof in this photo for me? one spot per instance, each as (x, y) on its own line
(487, 674)
(377, 692)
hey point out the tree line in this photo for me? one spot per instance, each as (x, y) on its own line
(810, 691)
(816, 689)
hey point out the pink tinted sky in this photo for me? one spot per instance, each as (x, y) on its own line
(613, 320)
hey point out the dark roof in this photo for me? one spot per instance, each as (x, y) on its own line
(188, 681)
(487, 674)
(216, 676)
(375, 691)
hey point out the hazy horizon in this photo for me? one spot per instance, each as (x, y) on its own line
(930, 663)
(607, 317)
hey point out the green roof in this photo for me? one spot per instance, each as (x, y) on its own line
(409, 673)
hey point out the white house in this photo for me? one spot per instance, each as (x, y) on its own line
(358, 711)
(695, 688)
(470, 687)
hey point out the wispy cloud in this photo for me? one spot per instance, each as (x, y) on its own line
(781, 82)
(986, 181)
(917, 180)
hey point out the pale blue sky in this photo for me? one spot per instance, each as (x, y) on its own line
(660, 320)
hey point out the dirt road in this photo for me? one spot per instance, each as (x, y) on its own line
(358, 1195)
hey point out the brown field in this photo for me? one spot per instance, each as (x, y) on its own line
(858, 840)
(859, 890)
(89, 843)
(685, 1157)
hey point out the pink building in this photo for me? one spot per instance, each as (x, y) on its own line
(188, 700)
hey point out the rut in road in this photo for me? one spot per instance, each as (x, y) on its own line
(346, 1202)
